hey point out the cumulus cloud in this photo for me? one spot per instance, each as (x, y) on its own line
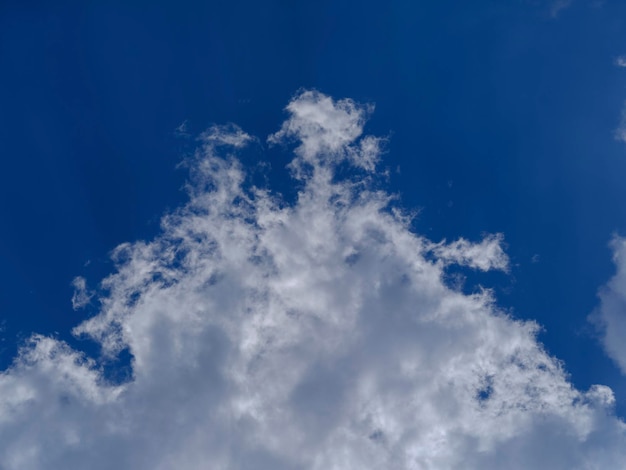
(318, 334)
(610, 316)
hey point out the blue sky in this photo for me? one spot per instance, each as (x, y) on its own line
(496, 117)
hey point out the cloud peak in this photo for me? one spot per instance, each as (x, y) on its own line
(326, 129)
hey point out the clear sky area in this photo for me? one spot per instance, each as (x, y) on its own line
(313, 235)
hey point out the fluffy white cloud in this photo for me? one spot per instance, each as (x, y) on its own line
(313, 335)
(325, 129)
(610, 316)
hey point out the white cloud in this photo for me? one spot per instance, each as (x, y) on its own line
(229, 135)
(620, 61)
(82, 296)
(610, 316)
(486, 255)
(325, 129)
(317, 335)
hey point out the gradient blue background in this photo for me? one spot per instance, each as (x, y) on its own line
(500, 117)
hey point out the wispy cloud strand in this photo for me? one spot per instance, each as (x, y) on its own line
(82, 296)
(558, 6)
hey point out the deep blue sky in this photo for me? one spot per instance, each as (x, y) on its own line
(500, 117)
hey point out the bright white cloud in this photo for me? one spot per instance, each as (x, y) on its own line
(325, 129)
(314, 335)
(610, 316)
(620, 61)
